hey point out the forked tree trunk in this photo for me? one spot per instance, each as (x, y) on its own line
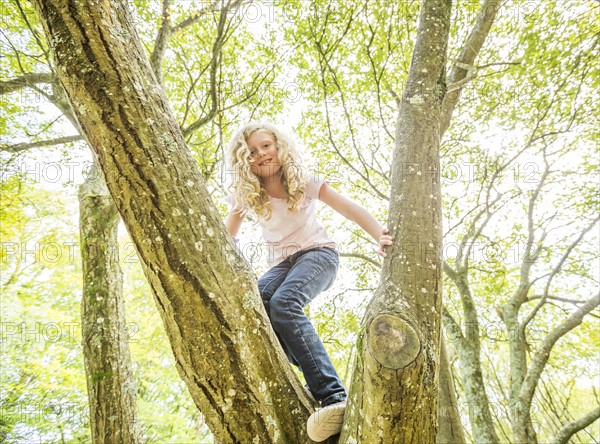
(468, 345)
(206, 295)
(110, 382)
(393, 397)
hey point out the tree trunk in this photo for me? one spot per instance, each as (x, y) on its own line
(523, 430)
(111, 387)
(222, 340)
(111, 390)
(469, 352)
(450, 429)
(393, 397)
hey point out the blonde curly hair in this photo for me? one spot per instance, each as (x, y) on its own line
(247, 188)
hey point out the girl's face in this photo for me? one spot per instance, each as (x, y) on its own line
(263, 152)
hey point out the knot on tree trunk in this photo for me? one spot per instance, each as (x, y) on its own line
(392, 341)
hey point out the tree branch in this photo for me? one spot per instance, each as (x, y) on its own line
(166, 30)
(452, 328)
(363, 257)
(556, 298)
(325, 52)
(25, 146)
(557, 270)
(520, 295)
(161, 41)
(575, 426)
(468, 53)
(25, 80)
(193, 19)
(542, 354)
(35, 33)
(214, 65)
(472, 74)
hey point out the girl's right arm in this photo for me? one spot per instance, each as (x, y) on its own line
(234, 221)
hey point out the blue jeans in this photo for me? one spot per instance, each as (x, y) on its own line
(285, 289)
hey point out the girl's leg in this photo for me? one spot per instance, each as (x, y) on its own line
(312, 272)
(267, 285)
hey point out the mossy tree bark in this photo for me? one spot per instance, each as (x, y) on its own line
(110, 382)
(112, 394)
(394, 392)
(206, 295)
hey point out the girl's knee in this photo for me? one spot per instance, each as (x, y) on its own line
(283, 310)
(277, 308)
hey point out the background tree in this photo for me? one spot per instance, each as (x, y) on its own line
(111, 386)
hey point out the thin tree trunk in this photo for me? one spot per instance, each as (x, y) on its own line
(523, 430)
(469, 352)
(111, 386)
(111, 389)
(222, 340)
(463, 66)
(450, 429)
(394, 392)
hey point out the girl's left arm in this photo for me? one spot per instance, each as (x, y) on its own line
(357, 214)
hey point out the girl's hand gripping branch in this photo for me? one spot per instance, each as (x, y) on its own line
(384, 240)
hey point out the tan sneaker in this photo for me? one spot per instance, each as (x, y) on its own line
(326, 422)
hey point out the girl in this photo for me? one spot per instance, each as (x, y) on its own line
(304, 260)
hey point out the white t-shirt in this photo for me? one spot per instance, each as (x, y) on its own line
(287, 233)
